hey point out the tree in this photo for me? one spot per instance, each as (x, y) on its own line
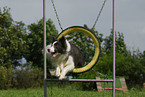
(119, 42)
(12, 39)
(12, 46)
(35, 41)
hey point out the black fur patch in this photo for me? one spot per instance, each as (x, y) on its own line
(78, 56)
(60, 45)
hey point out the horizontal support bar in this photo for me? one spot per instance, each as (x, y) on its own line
(80, 80)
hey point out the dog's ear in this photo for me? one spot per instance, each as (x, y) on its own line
(62, 39)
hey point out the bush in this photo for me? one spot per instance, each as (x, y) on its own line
(128, 66)
(5, 77)
(28, 77)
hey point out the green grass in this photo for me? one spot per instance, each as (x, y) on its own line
(67, 92)
(110, 84)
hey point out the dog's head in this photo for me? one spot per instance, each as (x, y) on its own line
(58, 46)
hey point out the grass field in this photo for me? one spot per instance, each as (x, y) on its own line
(67, 92)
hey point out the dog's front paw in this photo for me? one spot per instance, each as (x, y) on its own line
(61, 77)
(57, 75)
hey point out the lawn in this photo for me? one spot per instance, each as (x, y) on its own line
(67, 92)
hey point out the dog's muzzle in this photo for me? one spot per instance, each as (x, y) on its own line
(54, 54)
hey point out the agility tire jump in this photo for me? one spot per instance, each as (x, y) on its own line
(96, 43)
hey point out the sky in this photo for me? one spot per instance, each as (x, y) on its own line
(129, 16)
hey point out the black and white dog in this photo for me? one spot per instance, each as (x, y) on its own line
(64, 56)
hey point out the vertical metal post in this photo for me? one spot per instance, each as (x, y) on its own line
(44, 24)
(113, 28)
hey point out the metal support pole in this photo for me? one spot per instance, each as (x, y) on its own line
(113, 28)
(44, 21)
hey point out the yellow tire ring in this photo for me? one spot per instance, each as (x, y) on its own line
(96, 43)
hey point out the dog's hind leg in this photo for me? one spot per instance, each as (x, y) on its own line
(69, 66)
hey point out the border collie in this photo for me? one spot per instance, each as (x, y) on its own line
(64, 56)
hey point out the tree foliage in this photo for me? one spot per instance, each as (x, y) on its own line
(12, 39)
(35, 41)
(12, 46)
(28, 77)
(6, 76)
(119, 42)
